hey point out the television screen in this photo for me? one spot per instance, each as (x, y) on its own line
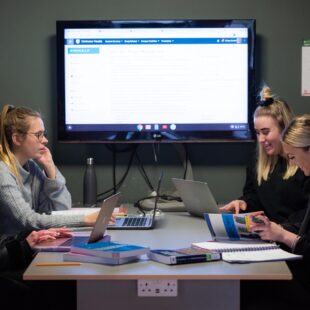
(155, 80)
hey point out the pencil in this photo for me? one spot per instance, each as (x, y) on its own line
(58, 264)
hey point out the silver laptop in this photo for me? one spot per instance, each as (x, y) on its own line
(196, 196)
(137, 221)
(97, 232)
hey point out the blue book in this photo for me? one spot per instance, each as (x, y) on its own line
(75, 257)
(109, 249)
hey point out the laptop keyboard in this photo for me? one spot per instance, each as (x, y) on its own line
(135, 221)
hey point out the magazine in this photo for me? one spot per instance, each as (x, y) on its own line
(231, 226)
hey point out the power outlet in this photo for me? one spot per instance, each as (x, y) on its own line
(158, 288)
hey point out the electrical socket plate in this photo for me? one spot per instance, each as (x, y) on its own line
(158, 288)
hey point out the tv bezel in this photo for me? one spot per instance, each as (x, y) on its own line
(65, 136)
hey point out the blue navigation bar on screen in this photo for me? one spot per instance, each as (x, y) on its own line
(132, 41)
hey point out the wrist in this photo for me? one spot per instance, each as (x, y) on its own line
(289, 239)
(50, 171)
(88, 220)
(294, 242)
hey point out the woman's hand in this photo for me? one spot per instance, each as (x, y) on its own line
(36, 237)
(45, 159)
(62, 232)
(90, 219)
(268, 230)
(235, 205)
(274, 232)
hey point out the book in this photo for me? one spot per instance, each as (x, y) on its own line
(113, 250)
(75, 257)
(231, 226)
(183, 256)
(246, 252)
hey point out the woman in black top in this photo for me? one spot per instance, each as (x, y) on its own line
(295, 293)
(16, 252)
(273, 184)
(296, 138)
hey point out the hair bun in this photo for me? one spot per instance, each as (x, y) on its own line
(266, 97)
(266, 102)
(266, 93)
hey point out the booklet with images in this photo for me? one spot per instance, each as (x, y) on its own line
(231, 226)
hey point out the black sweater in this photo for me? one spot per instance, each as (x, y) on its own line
(15, 253)
(303, 244)
(301, 269)
(283, 201)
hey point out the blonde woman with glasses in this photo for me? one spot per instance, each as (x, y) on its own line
(30, 184)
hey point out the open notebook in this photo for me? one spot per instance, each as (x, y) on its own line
(247, 252)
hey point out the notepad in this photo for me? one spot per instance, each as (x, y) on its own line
(247, 252)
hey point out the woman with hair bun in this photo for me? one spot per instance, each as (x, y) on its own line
(273, 185)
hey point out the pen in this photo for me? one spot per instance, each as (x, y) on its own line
(58, 264)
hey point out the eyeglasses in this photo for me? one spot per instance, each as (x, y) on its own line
(39, 134)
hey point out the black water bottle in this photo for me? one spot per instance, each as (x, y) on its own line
(90, 183)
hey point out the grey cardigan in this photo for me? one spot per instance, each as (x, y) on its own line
(28, 206)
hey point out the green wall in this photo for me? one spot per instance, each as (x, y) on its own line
(28, 77)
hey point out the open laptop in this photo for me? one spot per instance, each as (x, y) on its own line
(137, 221)
(197, 197)
(97, 232)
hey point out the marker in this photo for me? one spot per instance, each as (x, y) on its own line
(58, 264)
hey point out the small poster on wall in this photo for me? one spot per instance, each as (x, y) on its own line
(305, 68)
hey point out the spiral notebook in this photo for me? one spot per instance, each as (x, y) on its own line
(247, 252)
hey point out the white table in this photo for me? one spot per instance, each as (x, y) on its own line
(213, 285)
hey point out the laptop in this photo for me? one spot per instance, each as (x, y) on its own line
(138, 221)
(97, 232)
(197, 197)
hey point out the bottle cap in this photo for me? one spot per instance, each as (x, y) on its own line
(90, 161)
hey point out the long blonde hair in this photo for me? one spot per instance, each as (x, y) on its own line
(270, 105)
(297, 133)
(13, 120)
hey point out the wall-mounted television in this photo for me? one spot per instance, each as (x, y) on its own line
(155, 80)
